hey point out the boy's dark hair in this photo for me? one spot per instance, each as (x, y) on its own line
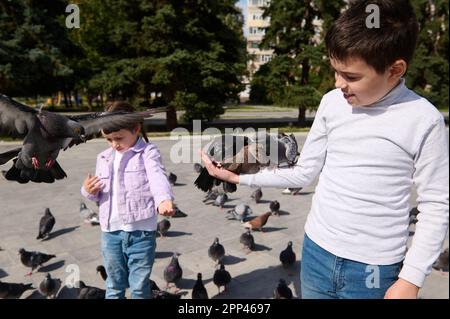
(117, 106)
(396, 37)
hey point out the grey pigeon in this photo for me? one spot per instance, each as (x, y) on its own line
(442, 262)
(198, 168)
(257, 194)
(287, 256)
(282, 291)
(216, 251)
(45, 133)
(221, 278)
(211, 195)
(13, 290)
(49, 286)
(220, 200)
(163, 226)
(101, 269)
(275, 207)
(239, 212)
(199, 290)
(173, 271)
(46, 224)
(88, 215)
(247, 240)
(172, 178)
(161, 294)
(89, 292)
(33, 259)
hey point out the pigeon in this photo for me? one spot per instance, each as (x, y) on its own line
(211, 195)
(161, 294)
(101, 269)
(199, 290)
(173, 271)
(33, 259)
(172, 178)
(258, 222)
(239, 212)
(198, 168)
(216, 251)
(247, 241)
(221, 278)
(256, 195)
(13, 290)
(275, 207)
(46, 224)
(291, 191)
(45, 133)
(282, 291)
(287, 256)
(89, 292)
(442, 262)
(88, 215)
(178, 213)
(163, 226)
(49, 286)
(220, 200)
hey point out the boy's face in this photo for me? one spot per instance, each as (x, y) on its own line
(360, 83)
(123, 139)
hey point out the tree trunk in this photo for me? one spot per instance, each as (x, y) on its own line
(301, 116)
(66, 103)
(171, 118)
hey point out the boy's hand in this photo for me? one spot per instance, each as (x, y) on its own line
(166, 208)
(402, 289)
(92, 184)
(216, 170)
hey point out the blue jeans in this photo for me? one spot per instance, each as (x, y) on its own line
(128, 258)
(326, 276)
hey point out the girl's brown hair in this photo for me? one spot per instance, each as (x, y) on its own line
(118, 106)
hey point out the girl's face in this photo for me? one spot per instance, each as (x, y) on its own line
(123, 139)
(360, 84)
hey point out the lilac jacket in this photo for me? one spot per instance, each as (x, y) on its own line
(143, 183)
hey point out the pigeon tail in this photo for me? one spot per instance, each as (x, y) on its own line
(204, 181)
(7, 156)
(24, 174)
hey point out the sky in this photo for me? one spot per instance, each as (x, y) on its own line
(243, 4)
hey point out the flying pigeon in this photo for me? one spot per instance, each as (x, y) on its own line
(239, 212)
(257, 194)
(45, 133)
(33, 259)
(49, 286)
(275, 207)
(216, 251)
(282, 291)
(199, 290)
(287, 256)
(221, 278)
(258, 222)
(173, 271)
(163, 226)
(46, 224)
(442, 262)
(13, 290)
(88, 215)
(89, 292)
(247, 241)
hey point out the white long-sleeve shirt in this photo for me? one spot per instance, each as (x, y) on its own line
(368, 159)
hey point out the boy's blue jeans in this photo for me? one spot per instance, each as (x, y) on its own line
(128, 259)
(326, 276)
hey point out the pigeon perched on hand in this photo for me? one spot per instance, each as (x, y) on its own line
(258, 222)
(442, 262)
(256, 195)
(46, 224)
(46, 133)
(275, 207)
(287, 256)
(88, 215)
(216, 251)
(33, 259)
(89, 292)
(282, 291)
(13, 290)
(49, 286)
(221, 278)
(247, 241)
(173, 271)
(199, 290)
(163, 227)
(239, 212)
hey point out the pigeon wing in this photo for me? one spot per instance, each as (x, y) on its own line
(16, 119)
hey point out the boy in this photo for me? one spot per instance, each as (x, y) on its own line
(371, 140)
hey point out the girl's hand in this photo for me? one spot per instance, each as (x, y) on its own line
(92, 184)
(166, 208)
(216, 170)
(402, 289)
